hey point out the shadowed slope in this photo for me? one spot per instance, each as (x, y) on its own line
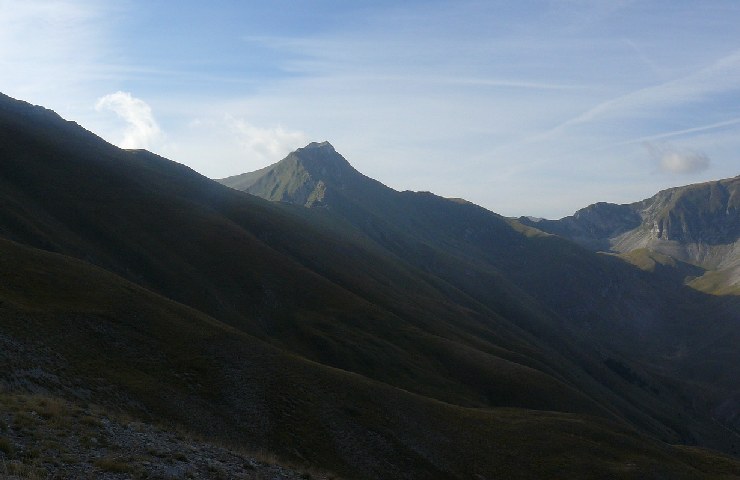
(93, 336)
(266, 270)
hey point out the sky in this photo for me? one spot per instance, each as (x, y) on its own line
(524, 107)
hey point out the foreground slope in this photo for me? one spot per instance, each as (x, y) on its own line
(695, 225)
(122, 347)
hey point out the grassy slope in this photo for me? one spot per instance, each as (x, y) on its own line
(268, 271)
(208, 260)
(164, 361)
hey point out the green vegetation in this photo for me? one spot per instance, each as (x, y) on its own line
(719, 282)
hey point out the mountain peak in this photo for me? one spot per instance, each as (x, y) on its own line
(320, 160)
(324, 145)
(302, 177)
(322, 152)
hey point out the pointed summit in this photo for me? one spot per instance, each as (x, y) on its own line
(303, 177)
(321, 161)
(324, 144)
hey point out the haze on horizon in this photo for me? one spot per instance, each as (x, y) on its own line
(527, 108)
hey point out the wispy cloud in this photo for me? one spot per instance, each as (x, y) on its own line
(670, 159)
(679, 133)
(142, 130)
(721, 76)
(266, 144)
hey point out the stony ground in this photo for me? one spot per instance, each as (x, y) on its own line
(43, 437)
(52, 428)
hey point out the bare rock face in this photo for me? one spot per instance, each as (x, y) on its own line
(704, 213)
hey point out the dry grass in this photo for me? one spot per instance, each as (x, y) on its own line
(113, 465)
(24, 471)
(6, 447)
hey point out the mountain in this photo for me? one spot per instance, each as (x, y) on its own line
(385, 335)
(581, 304)
(695, 230)
(300, 178)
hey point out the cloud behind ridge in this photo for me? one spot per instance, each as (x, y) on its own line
(670, 159)
(142, 130)
(266, 144)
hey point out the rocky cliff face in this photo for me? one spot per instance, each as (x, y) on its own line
(703, 213)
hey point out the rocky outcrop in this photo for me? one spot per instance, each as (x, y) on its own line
(703, 213)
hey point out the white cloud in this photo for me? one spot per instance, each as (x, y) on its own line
(266, 144)
(677, 160)
(142, 130)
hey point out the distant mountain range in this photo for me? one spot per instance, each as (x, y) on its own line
(344, 325)
(694, 230)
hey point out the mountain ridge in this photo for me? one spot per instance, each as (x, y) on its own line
(697, 224)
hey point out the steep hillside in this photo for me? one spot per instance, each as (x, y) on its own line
(301, 284)
(118, 347)
(696, 224)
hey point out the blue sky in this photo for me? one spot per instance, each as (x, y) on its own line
(527, 107)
